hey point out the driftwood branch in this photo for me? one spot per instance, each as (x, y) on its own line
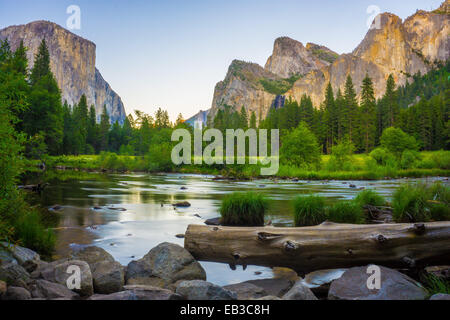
(326, 246)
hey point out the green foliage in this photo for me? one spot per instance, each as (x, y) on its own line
(341, 156)
(435, 284)
(346, 212)
(33, 235)
(279, 86)
(243, 209)
(309, 210)
(369, 197)
(410, 204)
(300, 148)
(396, 141)
(409, 159)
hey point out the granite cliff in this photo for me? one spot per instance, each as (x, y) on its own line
(72, 60)
(391, 46)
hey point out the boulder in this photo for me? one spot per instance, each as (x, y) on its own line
(108, 277)
(213, 221)
(21, 254)
(394, 286)
(246, 291)
(273, 287)
(6, 256)
(164, 265)
(16, 293)
(203, 290)
(58, 272)
(44, 289)
(299, 292)
(183, 204)
(440, 296)
(138, 292)
(14, 275)
(92, 255)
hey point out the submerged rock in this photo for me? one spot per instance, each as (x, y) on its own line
(203, 290)
(394, 286)
(164, 265)
(213, 221)
(183, 204)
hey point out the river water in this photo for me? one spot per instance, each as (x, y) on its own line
(149, 217)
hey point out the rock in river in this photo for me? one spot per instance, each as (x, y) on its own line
(164, 265)
(394, 286)
(203, 290)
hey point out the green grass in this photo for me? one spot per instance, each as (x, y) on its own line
(243, 209)
(369, 197)
(409, 204)
(346, 212)
(436, 285)
(309, 210)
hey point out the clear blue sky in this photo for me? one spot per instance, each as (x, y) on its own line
(171, 53)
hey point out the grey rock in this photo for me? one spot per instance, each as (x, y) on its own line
(14, 275)
(213, 221)
(203, 290)
(440, 296)
(57, 272)
(92, 255)
(274, 287)
(108, 277)
(20, 254)
(299, 292)
(122, 295)
(164, 265)
(394, 286)
(138, 292)
(44, 289)
(319, 281)
(246, 291)
(16, 293)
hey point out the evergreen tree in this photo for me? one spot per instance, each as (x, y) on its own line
(243, 119)
(368, 114)
(103, 136)
(350, 114)
(390, 104)
(253, 120)
(330, 118)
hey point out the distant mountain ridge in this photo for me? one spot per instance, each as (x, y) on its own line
(397, 47)
(72, 60)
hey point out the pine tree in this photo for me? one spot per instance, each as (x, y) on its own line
(350, 110)
(330, 118)
(45, 113)
(103, 137)
(391, 107)
(253, 120)
(243, 119)
(368, 114)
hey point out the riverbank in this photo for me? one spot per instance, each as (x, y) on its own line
(360, 167)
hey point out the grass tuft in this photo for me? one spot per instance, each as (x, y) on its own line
(243, 209)
(346, 212)
(309, 210)
(369, 197)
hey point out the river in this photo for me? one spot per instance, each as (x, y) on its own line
(149, 217)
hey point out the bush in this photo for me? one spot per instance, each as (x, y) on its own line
(410, 204)
(309, 210)
(382, 156)
(33, 235)
(341, 156)
(300, 148)
(243, 209)
(409, 158)
(396, 141)
(441, 159)
(346, 212)
(369, 197)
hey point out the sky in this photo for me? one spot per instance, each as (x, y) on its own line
(171, 53)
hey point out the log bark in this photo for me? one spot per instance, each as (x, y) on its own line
(326, 246)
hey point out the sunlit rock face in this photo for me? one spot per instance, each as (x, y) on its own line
(72, 61)
(391, 46)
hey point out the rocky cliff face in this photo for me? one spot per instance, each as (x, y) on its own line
(290, 57)
(242, 87)
(72, 60)
(396, 47)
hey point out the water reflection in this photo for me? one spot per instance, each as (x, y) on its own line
(89, 199)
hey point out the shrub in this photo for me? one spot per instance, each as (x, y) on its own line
(346, 212)
(33, 235)
(369, 197)
(382, 156)
(408, 159)
(341, 156)
(396, 141)
(441, 159)
(309, 210)
(410, 204)
(300, 148)
(243, 209)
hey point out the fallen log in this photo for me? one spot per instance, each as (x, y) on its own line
(326, 246)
